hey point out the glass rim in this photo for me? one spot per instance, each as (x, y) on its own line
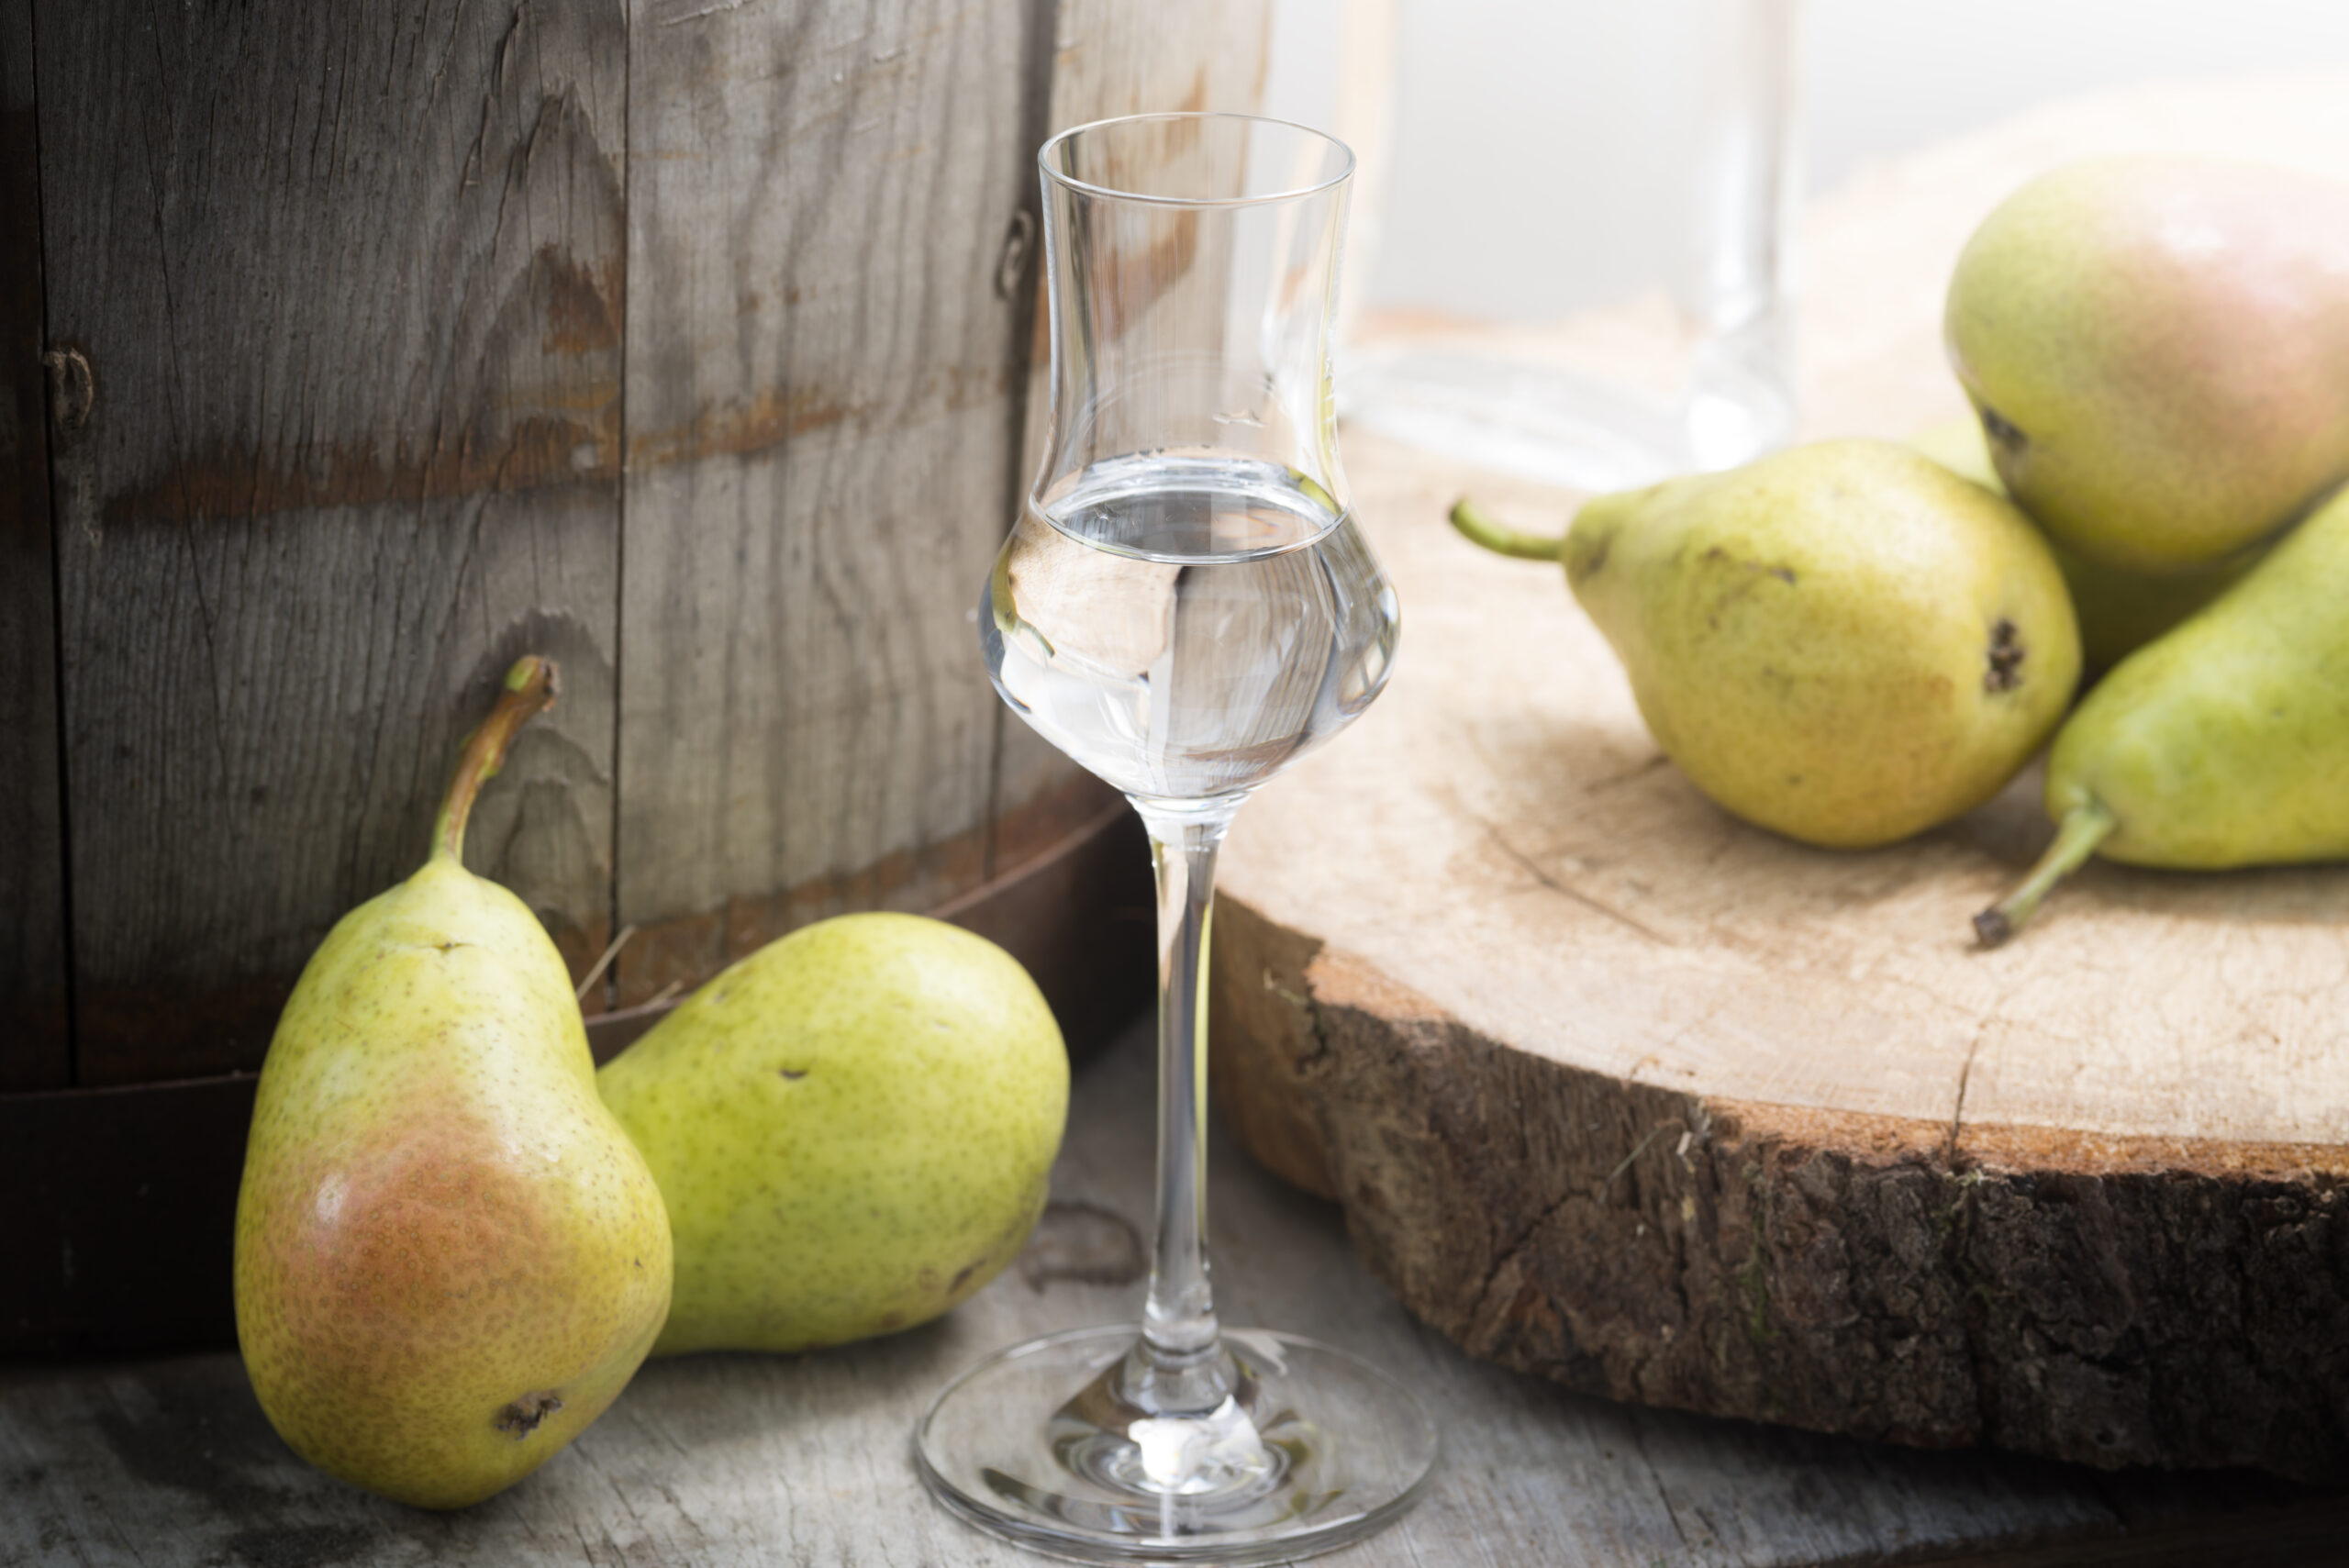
(1086, 187)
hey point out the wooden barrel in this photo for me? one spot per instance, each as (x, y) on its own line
(353, 351)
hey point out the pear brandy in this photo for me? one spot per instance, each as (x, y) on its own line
(1185, 626)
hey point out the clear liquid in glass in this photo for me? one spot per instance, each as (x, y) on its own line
(1186, 624)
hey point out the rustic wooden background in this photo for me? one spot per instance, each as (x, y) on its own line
(352, 351)
(687, 342)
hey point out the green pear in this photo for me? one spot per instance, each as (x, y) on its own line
(449, 1257)
(854, 1127)
(2225, 743)
(2158, 347)
(1844, 642)
(2119, 611)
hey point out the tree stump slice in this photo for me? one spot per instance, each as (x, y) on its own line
(1620, 1090)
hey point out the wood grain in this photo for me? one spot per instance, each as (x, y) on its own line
(361, 426)
(1619, 1089)
(349, 286)
(35, 1044)
(720, 1461)
(820, 377)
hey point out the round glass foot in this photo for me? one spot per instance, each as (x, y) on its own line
(1314, 1448)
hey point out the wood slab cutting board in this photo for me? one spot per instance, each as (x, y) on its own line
(1620, 1090)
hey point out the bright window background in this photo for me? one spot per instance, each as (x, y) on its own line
(1531, 156)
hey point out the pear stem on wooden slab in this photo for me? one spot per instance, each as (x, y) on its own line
(529, 691)
(2077, 837)
(1470, 521)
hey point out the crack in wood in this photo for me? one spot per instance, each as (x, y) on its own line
(1624, 1164)
(717, 7)
(1559, 886)
(1964, 1073)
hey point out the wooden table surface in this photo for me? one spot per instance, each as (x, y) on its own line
(716, 1461)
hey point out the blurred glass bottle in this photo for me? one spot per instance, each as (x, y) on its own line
(1573, 225)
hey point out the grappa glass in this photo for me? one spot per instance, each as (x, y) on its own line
(1185, 607)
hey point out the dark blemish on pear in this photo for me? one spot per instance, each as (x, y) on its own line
(965, 1271)
(522, 1417)
(1782, 574)
(1995, 425)
(2004, 661)
(792, 1074)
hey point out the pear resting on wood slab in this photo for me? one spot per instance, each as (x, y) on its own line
(1844, 642)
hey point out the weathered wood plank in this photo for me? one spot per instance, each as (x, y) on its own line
(36, 1043)
(1112, 57)
(821, 384)
(730, 1461)
(349, 284)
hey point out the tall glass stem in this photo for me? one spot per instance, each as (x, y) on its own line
(1186, 608)
(1179, 1366)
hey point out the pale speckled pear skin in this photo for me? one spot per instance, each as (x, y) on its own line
(854, 1128)
(440, 1225)
(2168, 340)
(2226, 743)
(1843, 642)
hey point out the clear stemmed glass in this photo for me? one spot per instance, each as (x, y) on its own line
(1184, 607)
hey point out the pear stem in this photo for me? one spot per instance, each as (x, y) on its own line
(1470, 521)
(529, 691)
(2077, 837)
